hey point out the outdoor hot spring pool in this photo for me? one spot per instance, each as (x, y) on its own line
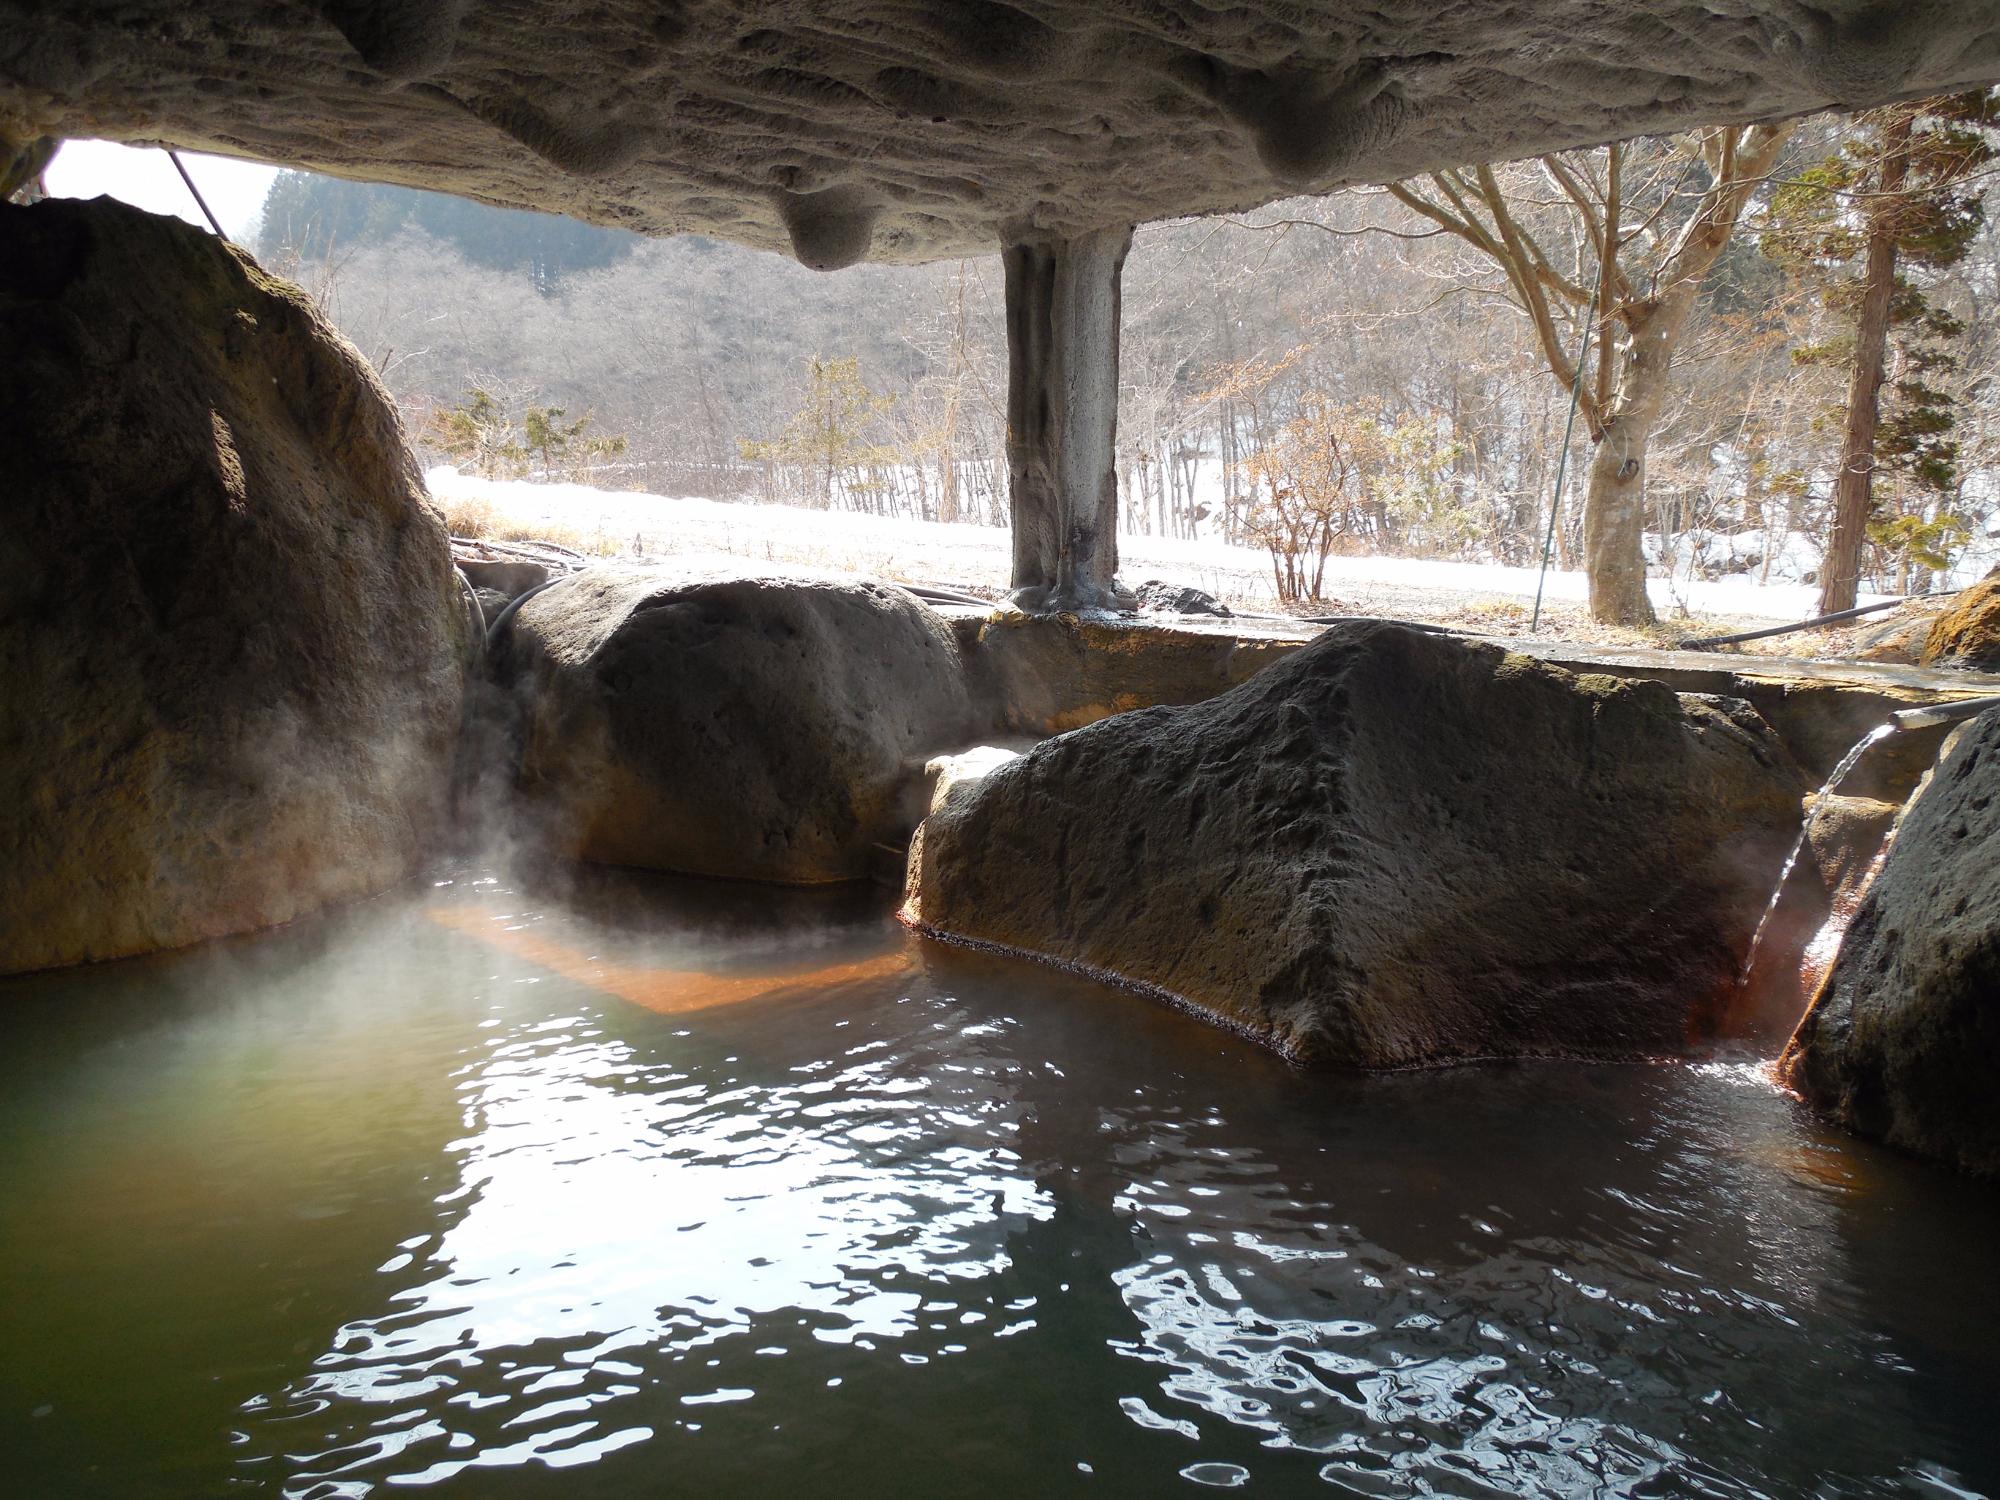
(639, 1187)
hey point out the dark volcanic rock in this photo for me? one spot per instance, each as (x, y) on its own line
(768, 728)
(1178, 599)
(232, 646)
(1390, 848)
(1903, 1041)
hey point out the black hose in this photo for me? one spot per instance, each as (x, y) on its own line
(207, 212)
(1703, 642)
(502, 620)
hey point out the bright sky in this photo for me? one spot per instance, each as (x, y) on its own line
(146, 179)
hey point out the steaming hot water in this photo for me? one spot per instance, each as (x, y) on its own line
(646, 1187)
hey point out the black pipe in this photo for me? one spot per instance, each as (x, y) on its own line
(1703, 642)
(207, 212)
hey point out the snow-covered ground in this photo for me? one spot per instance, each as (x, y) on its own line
(922, 552)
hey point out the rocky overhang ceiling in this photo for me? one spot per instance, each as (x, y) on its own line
(898, 130)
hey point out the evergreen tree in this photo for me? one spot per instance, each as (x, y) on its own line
(562, 446)
(827, 439)
(1865, 231)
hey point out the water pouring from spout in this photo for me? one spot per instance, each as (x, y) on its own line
(1927, 717)
(1818, 806)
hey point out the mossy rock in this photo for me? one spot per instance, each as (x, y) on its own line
(1968, 633)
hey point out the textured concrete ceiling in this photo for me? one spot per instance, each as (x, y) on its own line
(910, 129)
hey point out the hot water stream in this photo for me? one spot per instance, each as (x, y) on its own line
(1818, 955)
(1814, 808)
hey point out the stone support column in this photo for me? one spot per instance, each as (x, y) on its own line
(1062, 417)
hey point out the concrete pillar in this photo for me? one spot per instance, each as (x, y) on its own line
(1062, 417)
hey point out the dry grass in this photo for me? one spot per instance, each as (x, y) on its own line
(572, 537)
(1564, 621)
(467, 516)
(1493, 616)
(474, 519)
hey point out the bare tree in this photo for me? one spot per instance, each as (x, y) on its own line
(1652, 242)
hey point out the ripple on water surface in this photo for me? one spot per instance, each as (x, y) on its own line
(644, 1186)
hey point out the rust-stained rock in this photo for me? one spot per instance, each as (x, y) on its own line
(1898, 636)
(1389, 848)
(1903, 1040)
(908, 129)
(1968, 633)
(232, 644)
(1042, 674)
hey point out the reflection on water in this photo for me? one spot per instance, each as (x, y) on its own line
(652, 1187)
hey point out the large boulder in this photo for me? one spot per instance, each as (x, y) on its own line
(1967, 634)
(1391, 848)
(1903, 1040)
(232, 645)
(768, 728)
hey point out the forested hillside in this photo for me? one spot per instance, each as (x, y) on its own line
(1377, 371)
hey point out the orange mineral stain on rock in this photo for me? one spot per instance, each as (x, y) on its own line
(667, 991)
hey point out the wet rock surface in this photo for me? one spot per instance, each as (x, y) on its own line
(1903, 1040)
(1899, 635)
(907, 129)
(1390, 848)
(767, 727)
(232, 645)
(1967, 634)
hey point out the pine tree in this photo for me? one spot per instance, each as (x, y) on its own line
(562, 446)
(477, 433)
(826, 440)
(1864, 231)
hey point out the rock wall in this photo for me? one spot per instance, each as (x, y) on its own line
(1389, 848)
(232, 644)
(1903, 1040)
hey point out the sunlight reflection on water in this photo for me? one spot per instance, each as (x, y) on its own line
(606, 1206)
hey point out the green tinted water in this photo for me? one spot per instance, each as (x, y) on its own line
(654, 1188)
